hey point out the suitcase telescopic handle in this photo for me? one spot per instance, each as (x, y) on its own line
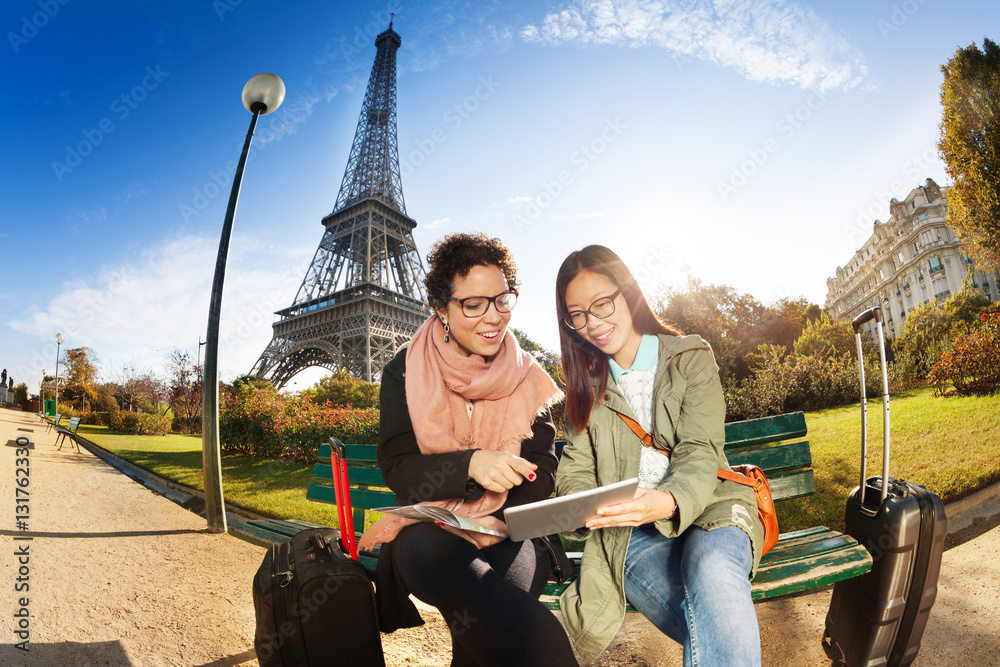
(867, 316)
(874, 313)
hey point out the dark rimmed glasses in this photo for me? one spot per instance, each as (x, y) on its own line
(475, 306)
(601, 309)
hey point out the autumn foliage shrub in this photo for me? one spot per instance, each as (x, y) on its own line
(136, 423)
(259, 421)
(784, 382)
(972, 362)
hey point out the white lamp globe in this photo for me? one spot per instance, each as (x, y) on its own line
(265, 89)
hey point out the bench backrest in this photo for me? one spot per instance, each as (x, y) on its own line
(73, 423)
(787, 466)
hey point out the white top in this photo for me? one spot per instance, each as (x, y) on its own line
(637, 385)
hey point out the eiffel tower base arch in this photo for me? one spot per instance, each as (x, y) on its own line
(361, 343)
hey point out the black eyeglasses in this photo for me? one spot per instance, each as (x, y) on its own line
(602, 308)
(474, 306)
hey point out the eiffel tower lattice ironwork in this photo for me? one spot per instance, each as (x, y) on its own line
(362, 296)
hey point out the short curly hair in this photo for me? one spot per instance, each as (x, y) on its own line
(456, 254)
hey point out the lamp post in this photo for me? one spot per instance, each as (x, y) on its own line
(59, 340)
(262, 95)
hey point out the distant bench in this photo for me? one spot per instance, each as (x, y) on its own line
(68, 431)
(802, 560)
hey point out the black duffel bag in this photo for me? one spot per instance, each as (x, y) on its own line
(314, 605)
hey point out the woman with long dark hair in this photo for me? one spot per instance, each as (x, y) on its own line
(465, 424)
(684, 549)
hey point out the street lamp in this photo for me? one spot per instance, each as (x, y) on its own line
(262, 95)
(59, 340)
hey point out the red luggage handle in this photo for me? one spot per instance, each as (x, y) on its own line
(874, 313)
(342, 494)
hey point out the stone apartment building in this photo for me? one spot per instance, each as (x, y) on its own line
(912, 258)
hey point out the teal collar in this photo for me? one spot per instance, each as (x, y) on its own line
(645, 358)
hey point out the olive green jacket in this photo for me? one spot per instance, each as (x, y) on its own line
(688, 420)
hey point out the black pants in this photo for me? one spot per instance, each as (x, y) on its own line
(488, 597)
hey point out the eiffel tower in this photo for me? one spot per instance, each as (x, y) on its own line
(362, 297)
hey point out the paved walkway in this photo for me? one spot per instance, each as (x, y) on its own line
(119, 575)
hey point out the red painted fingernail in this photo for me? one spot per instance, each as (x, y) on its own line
(531, 477)
(439, 524)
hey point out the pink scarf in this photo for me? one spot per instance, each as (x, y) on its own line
(508, 391)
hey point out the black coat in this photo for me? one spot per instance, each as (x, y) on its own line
(416, 477)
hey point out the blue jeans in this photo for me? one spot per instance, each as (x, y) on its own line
(696, 590)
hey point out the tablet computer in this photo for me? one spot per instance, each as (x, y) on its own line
(556, 515)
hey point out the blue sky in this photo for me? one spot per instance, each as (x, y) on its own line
(755, 142)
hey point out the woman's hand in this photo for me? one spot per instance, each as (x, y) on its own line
(647, 505)
(500, 471)
(481, 540)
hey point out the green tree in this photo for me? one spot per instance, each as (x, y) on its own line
(184, 391)
(824, 339)
(785, 320)
(81, 377)
(547, 359)
(731, 322)
(139, 390)
(970, 148)
(928, 326)
(342, 388)
(21, 396)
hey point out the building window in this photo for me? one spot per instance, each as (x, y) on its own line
(916, 249)
(920, 274)
(928, 237)
(900, 257)
(881, 275)
(935, 264)
(923, 216)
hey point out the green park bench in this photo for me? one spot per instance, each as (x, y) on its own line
(51, 422)
(68, 431)
(802, 560)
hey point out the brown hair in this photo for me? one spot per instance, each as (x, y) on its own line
(456, 254)
(582, 362)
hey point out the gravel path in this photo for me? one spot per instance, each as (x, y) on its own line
(119, 575)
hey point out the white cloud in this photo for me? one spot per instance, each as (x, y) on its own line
(137, 310)
(770, 41)
(290, 115)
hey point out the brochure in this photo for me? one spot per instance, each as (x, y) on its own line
(439, 514)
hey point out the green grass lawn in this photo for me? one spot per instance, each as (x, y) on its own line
(950, 445)
(261, 485)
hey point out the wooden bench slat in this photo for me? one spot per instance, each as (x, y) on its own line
(821, 543)
(355, 453)
(360, 498)
(809, 573)
(792, 485)
(251, 531)
(322, 474)
(774, 459)
(755, 432)
(825, 558)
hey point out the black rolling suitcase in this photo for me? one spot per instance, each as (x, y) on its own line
(879, 618)
(314, 603)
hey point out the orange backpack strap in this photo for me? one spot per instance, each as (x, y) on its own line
(646, 438)
(736, 477)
